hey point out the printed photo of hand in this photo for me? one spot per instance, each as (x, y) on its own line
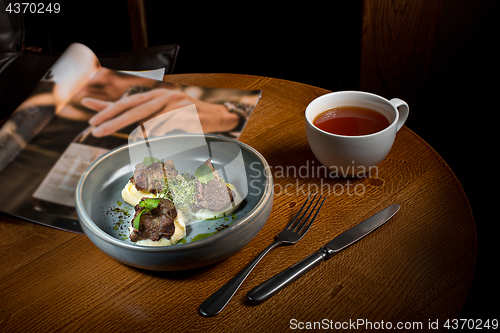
(141, 107)
(112, 102)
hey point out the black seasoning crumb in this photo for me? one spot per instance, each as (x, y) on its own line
(120, 214)
(222, 227)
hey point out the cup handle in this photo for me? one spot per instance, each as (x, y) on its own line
(403, 110)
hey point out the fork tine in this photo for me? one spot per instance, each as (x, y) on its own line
(305, 227)
(293, 226)
(303, 220)
(298, 213)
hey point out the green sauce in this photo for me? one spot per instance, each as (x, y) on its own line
(201, 236)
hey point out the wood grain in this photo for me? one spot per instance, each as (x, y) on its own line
(398, 46)
(417, 267)
(138, 23)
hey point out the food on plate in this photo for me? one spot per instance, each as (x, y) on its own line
(148, 180)
(166, 201)
(157, 222)
(214, 198)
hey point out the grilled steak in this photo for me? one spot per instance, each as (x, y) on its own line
(152, 178)
(215, 194)
(156, 224)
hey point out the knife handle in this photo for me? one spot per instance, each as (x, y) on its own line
(270, 287)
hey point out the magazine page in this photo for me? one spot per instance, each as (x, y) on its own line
(67, 76)
(98, 117)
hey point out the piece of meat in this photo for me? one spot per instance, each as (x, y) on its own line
(215, 194)
(156, 224)
(156, 177)
(140, 177)
(169, 168)
(152, 178)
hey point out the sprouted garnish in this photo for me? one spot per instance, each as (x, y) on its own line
(181, 190)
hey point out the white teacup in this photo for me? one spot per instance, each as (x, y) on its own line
(354, 156)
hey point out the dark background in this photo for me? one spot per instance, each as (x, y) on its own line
(439, 56)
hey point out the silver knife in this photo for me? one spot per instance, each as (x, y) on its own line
(272, 286)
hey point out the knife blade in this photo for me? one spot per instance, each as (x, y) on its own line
(272, 286)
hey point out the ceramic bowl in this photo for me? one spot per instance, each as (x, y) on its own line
(105, 217)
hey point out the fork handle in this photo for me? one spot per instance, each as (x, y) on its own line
(272, 286)
(215, 303)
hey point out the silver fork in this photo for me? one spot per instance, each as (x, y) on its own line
(292, 233)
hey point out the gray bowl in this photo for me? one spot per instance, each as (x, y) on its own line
(105, 218)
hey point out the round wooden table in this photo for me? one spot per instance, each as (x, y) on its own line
(413, 272)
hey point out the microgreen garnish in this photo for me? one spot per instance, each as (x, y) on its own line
(149, 204)
(181, 190)
(148, 160)
(204, 173)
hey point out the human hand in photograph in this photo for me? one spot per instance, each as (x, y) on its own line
(140, 107)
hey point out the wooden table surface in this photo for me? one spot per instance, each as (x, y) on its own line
(417, 268)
